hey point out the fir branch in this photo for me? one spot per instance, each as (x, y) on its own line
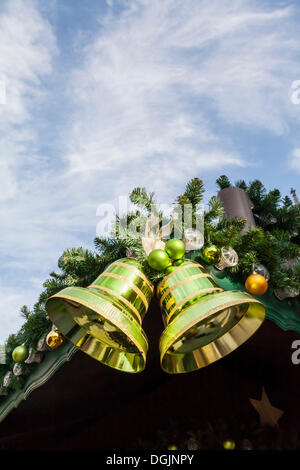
(194, 192)
(142, 199)
(215, 210)
(223, 182)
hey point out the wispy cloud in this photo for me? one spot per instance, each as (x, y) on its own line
(27, 45)
(161, 92)
(295, 160)
(167, 81)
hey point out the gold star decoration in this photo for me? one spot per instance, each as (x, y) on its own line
(269, 415)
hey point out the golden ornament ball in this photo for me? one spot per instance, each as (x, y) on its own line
(256, 284)
(54, 339)
(229, 444)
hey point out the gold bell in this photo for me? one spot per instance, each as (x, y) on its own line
(203, 323)
(104, 320)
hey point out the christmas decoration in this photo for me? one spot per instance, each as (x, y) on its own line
(20, 369)
(262, 270)
(273, 241)
(211, 254)
(158, 260)
(42, 344)
(152, 240)
(54, 339)
(178, 262)
(175, 248)
(229, 444)
(34, 356)
(192, 444)
(268, 414)
(193, 239)
(229, 258)
(247, 445)
(104, 320)
(7, 380)
(200, 318)
(20, 353)
(286, 292)
(169, 269)
(256, 284)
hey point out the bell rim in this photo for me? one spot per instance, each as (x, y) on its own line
(128, 325)
(182, 323)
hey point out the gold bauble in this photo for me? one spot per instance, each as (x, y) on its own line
(229, 444)
(54, 339)
(256, 284)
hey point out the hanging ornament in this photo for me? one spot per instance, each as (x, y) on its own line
(201, 319)
(34, 356)
(229, 444)
(286, 292)
(54, 339)
(192, 444)
(247, 445)
(158, 260)
(169, 269)
(20, 369)
(256, 284)
(7, 380)
(193, 239)
(104, 320)
(175, 248)
(20, 353)
(258, 268)
(229, 258)
(41, 344)
(211, 254)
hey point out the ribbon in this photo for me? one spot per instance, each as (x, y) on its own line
(153, 239)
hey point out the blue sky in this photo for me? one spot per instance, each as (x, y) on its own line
(103, 96)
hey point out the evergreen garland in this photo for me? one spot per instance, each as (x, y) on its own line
(274, 241)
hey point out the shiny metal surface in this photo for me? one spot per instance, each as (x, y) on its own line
(104, 320)
(203, 322)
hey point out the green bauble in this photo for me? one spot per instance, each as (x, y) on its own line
(20, 353)
(169, 269)
(229, 444)
(158, 260)
(175, 248)
(178, 262)
(211, 254)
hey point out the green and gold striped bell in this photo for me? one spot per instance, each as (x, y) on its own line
(104, 320)
(203, 323)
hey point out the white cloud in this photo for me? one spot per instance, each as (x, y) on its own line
(27, 46)
(12, 299)
(165, 81)
(159, 95)
(295, 160)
